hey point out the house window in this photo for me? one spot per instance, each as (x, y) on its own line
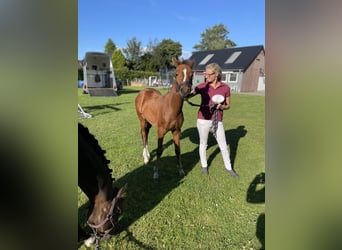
(224, 77)
(233, 57)
(232, 77)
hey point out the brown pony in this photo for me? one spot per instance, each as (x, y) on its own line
(95, 180)
(165, 112)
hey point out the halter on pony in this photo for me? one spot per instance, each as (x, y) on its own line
(98, 236)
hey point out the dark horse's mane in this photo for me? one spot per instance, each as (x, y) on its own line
(88, 148)
(93, 142)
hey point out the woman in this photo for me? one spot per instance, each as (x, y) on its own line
(210, 115)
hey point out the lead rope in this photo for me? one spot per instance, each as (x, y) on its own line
(215, 120)
(97, 239)
(97, 242)
(191, 103)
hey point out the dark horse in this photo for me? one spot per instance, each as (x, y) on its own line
(95, 180)
(165, 112)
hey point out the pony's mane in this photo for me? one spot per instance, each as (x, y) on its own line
(93, 142)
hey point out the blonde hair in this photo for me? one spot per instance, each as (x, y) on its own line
(216, 69)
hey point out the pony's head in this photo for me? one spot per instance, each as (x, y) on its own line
(105, 215)
(183, 77)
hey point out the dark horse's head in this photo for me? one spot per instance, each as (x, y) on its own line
(183, 76)
(95, 180)
(107, 209)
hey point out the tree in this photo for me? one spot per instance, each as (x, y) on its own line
(118, 59)
(165, 51)
(151, 46)
(110, 47)
(133, 52)
(147, 61)
(214, 38)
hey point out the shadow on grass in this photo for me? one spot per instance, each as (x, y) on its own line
(143, 194)
(102, 109)
(233, 137)
(128, 91)
(256, 195)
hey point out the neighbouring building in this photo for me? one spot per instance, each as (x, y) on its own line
(243, 68)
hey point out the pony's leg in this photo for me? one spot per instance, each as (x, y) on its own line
(146, 154)
(145, 128)
(159, 153)
(176, 134)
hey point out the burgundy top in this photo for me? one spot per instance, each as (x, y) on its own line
(207, 92)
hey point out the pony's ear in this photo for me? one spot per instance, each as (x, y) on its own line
(175, 61)
(192, 63)
(122, 192)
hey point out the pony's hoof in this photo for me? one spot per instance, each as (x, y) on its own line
(181, 173)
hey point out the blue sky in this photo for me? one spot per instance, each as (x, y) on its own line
(181, 21)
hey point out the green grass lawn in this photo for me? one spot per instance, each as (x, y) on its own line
(194, 212)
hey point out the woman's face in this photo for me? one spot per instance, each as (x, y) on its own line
(210, 76)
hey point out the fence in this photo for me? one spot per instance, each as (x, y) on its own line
(164, 83)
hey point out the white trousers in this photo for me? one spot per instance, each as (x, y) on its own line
(203, 127)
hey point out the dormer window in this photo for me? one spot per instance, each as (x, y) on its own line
(233, 57)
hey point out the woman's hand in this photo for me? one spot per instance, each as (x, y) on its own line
(192, 93)
(221, 106)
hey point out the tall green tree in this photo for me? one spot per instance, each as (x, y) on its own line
(110, 47)
(132, 52)
(164, 52)
(214, 38)
(118, 60)
(147, 60)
